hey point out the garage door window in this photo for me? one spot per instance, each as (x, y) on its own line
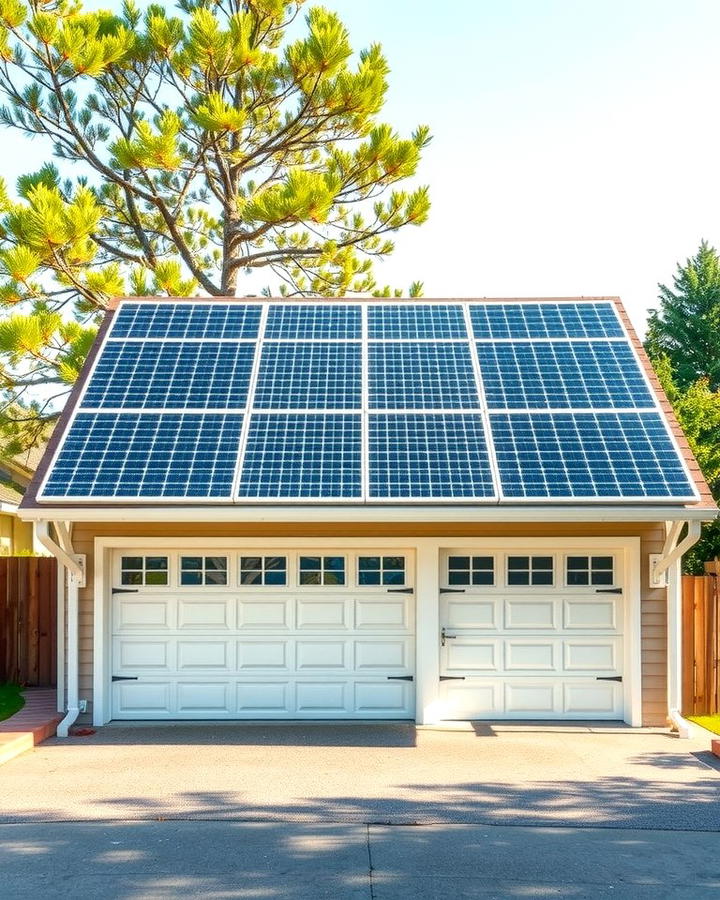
(145, 570)
(471, 570)
(322, 570)
(381, 570)
(263, 570)
(203, 570)
(590, 570)
(530, 570)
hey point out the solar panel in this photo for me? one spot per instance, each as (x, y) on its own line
(367, 401)
(186, 320)
(627, 455)
(130, 455)
(428, 456)
(544, 320)
(522, 375)
(421, 376)
(175, 374)
(415, 320)
(309, 376)
(293, 456)
(305, 321)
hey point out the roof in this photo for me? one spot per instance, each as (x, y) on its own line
(246, 401)
(9, 496)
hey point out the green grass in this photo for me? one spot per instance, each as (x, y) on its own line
(11, 700)
(712, 723)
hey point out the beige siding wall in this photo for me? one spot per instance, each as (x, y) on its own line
(654, 627)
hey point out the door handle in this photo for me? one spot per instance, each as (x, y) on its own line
(446, 637)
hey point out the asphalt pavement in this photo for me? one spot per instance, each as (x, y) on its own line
(383, 812)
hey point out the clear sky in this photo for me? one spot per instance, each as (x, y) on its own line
(576, 142)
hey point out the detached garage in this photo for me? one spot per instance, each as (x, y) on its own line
(354, 509)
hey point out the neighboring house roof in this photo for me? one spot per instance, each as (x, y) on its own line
(9, 496)
(542, 401)
(21, 467)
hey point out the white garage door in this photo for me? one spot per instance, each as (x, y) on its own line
(216, 634)
(532, 635)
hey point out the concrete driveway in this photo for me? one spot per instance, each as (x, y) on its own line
(374, 811)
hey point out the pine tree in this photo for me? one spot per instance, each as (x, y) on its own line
(201, 146)
(686, 328)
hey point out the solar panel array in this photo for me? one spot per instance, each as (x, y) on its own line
(367, 402)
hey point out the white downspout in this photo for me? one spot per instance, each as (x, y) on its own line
(74, 576)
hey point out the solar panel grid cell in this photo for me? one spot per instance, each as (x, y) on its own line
(186, 320)
(307, 321)
(172, 375)
(172, 455)
(556, 374)
(544, 320)
(413, 321)
(421, 376)
(546, 455)
(431, 456)
(292, 456)
(309, 376)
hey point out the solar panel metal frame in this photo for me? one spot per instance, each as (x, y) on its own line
(497, 499)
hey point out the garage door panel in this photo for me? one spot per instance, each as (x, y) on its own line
(322, 613)
(389, 697)
(321, 654)
(528, 698)
(204, 614)
(588, 698)
(253, 655)
(263, 614)
(133, 654)
(599, 655)
(521, 612)
(138, 699)
(321, 697)
(529, 655)
(585, 614)
(472, 655)
(471, 614)
(143, 613)
(204, 655)
(203, 697)
(472, 700)
(382, 613)
(258, 698)
(383, 655)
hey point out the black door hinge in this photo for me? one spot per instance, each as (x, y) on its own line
(608, 590)
(400, 678)
(124, 678)
(608, 678)
(124, 590)
(452, 678)
(400, 590)
(452, 590)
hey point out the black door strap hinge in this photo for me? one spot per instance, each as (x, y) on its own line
(452, 590)
(452, 678)
(124, 590)
(608, 590)
(124, 678)
(609, 678)
(400, 590)
(400, 678)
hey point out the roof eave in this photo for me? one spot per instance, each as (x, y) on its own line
(349, 513)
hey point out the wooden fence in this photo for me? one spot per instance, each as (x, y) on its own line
(701, 645)
(28, 621)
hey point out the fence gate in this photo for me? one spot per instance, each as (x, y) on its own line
(28, 621)
(701, 645)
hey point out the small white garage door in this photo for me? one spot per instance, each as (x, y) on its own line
(532, 635)
(221, 634)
